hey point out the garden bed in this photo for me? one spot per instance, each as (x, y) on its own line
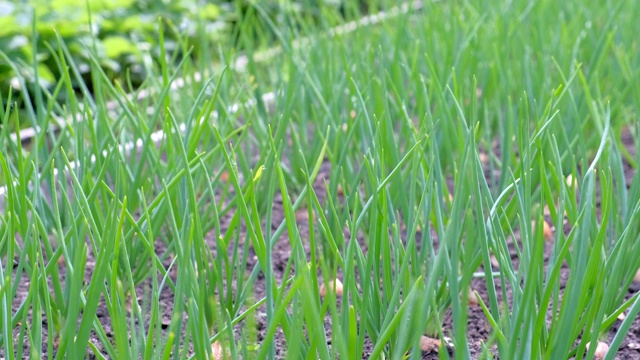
(478, 330)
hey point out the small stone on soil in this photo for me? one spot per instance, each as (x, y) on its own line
(601, 350)
(634, 346)
(224, 177)
(429, 345)
(217, 353)
(494, 262)
(450, 197)
(546, 231)
(473, 299)
(571, 182)
(337, 286)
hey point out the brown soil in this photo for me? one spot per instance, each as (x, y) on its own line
(478, 326)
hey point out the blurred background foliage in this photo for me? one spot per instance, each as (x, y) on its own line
(124, 34)
(124, 31)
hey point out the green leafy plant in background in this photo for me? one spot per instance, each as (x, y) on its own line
(122, 34)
